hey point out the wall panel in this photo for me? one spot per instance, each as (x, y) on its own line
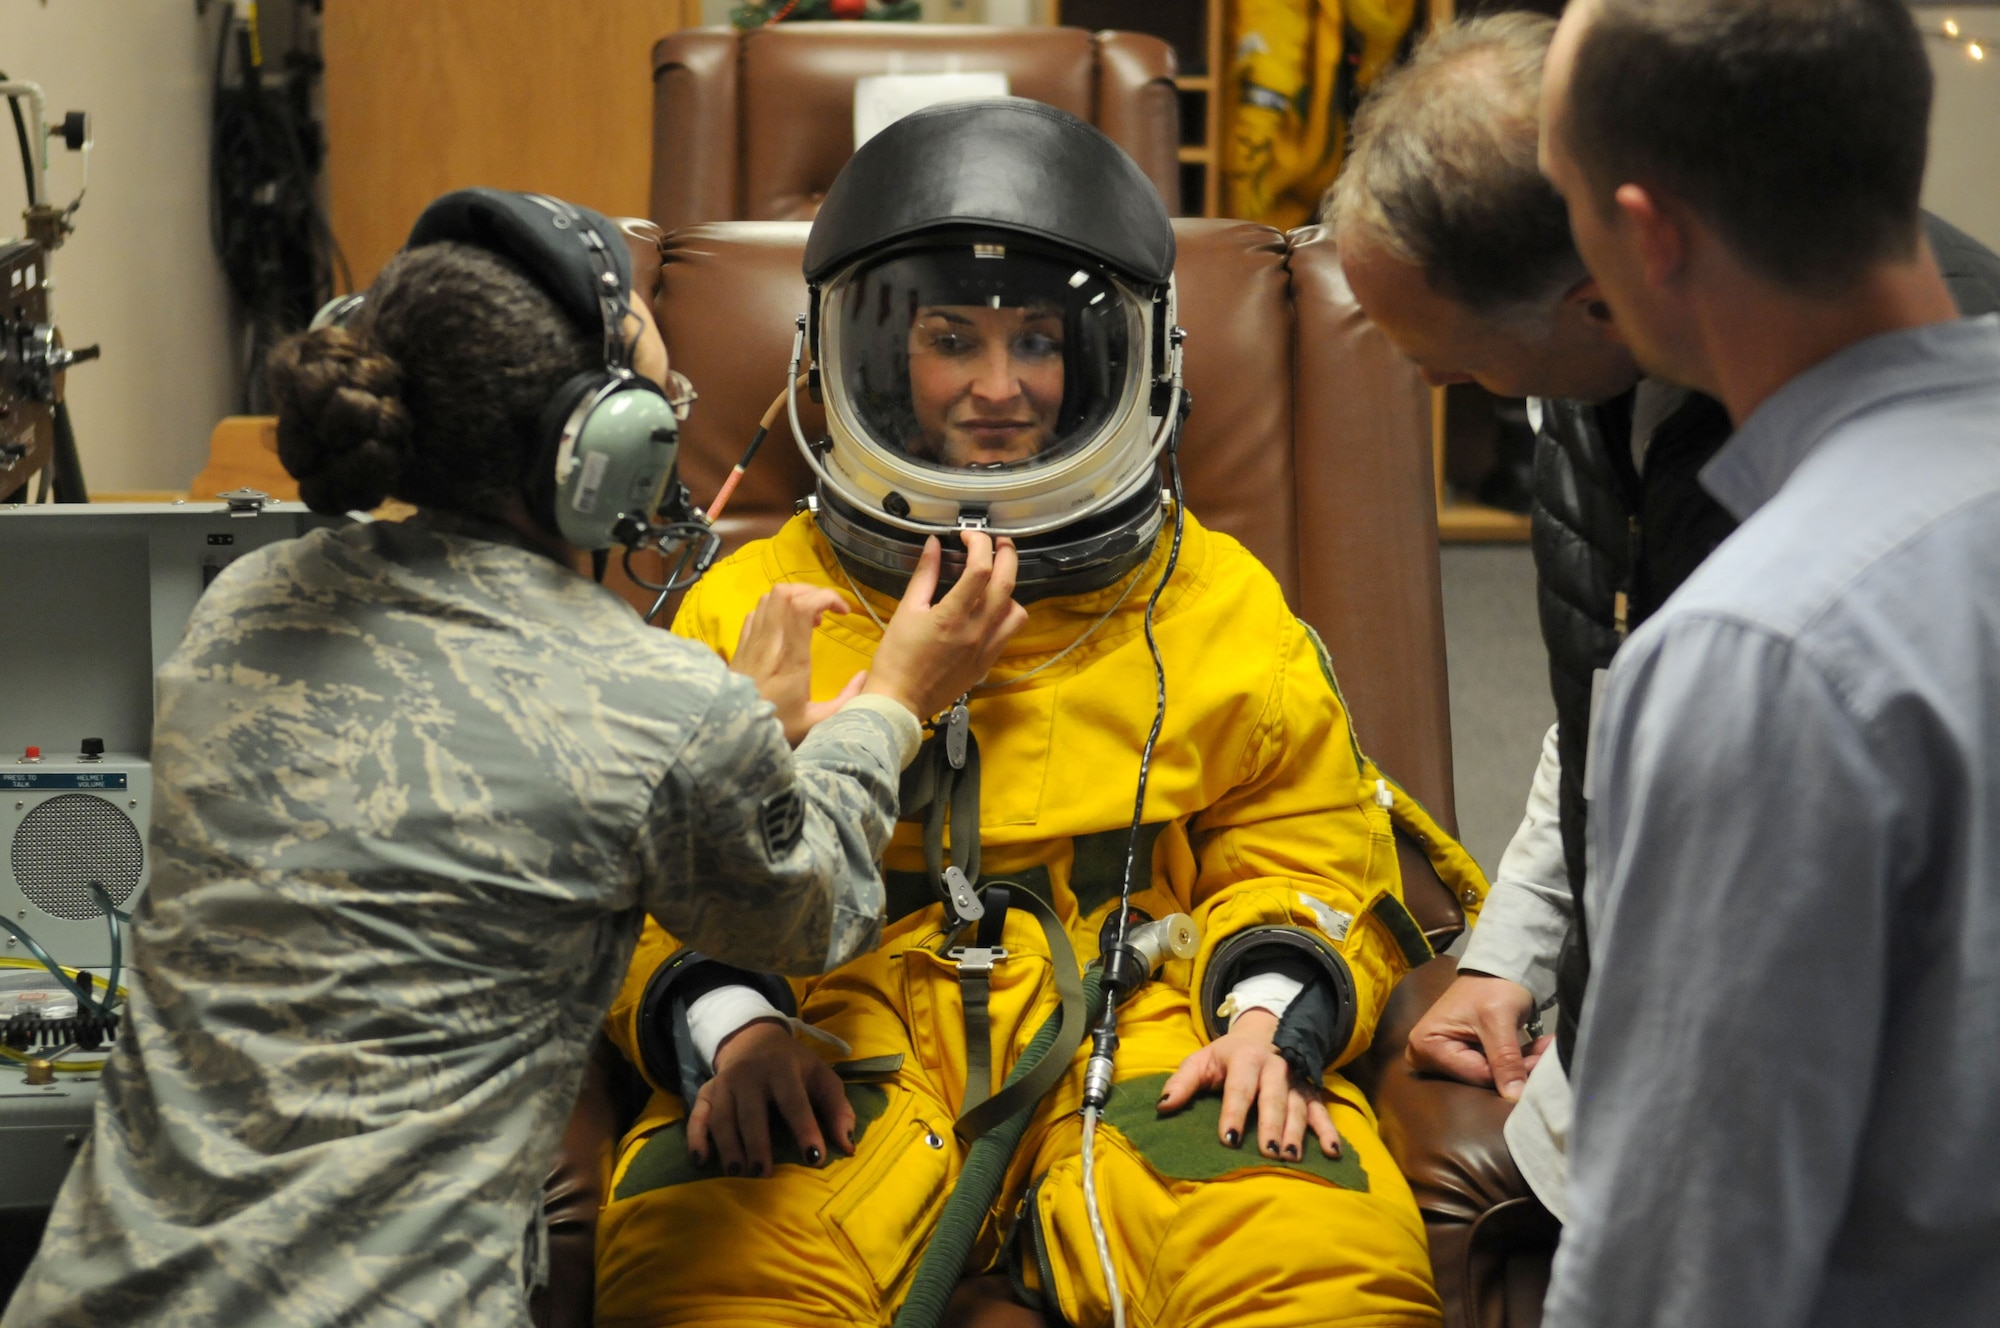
(423, 96)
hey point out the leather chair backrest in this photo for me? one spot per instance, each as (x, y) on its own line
(1308, 441)
(753, 126)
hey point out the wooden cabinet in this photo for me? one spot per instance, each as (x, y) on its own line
(425, 96)
(1466, 421)
(1201, 114)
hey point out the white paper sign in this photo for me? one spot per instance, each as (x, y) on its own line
(883, 99)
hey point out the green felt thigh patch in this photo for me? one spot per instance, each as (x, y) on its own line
(1186, 1146)
(664, 1160)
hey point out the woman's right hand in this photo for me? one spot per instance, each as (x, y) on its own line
(775, 652)
(760, 1066)
(932, 654)
(1472, 1033)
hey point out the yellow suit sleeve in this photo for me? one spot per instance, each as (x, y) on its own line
(1306, 842)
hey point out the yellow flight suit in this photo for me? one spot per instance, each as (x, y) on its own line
(1299, 68)
(1267, 816)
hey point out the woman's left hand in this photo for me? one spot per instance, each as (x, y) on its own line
(775, 652)
(1247, 1068)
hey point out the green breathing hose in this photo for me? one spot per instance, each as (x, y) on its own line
(943, 1264)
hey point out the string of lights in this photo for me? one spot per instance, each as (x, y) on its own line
(1950, 30)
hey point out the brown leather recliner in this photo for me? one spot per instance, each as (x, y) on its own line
(1309, 441)
(753, 126)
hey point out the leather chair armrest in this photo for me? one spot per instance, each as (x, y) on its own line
(575, 1192)
(1509, 1253)
(1446, 1137)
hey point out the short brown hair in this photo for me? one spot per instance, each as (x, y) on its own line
(1442, 172)
(1798, 128)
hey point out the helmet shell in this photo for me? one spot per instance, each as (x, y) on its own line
(997, 164)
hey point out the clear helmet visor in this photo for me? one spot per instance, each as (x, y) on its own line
(982, 357)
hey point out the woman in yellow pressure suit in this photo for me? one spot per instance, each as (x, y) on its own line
(993, 323)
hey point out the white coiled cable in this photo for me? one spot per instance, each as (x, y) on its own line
(1097, 1235)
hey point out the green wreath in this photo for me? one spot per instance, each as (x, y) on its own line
(758, 13)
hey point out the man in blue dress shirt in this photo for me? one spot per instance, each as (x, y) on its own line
(1788, 1072)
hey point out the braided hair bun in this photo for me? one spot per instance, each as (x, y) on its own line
(434, 392)
(343, 429)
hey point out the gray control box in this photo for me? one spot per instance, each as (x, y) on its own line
(65, 827)
(93, 598)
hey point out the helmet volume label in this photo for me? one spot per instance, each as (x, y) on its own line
(594, 467)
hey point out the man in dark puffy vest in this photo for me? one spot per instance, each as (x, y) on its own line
(1460, 252)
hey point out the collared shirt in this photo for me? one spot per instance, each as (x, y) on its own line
(1788, 1080)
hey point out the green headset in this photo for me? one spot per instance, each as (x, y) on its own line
(601, 469)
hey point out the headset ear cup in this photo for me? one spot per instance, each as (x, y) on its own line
(538, 485)
(623, 443)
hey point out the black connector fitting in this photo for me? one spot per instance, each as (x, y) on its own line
(28, 1031)
(1124, 972)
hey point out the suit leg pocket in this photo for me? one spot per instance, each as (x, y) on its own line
(883, 1214)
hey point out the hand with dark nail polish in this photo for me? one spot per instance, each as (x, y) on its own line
(761, 1069)
(699, 1159)
(1291, 1150)
(1232, 1138)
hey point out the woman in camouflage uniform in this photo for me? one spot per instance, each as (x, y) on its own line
(418, 782)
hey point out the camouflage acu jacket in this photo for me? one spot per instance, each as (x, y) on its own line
(414, 791)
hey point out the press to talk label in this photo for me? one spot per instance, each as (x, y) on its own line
(38, 779)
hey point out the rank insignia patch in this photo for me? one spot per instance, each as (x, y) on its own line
(783, 818)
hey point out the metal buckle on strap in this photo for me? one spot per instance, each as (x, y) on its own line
(975, 960)
(956, 728)
(964, 899)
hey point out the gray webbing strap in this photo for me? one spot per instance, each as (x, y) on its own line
(975, 989)
(1032, 1087)
(957, 793)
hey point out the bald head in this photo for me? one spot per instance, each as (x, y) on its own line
(1453, 242)
(1442, 171)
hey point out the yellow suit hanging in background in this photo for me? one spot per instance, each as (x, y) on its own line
(1299, 69)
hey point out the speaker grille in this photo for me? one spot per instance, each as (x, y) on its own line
(69, 841)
